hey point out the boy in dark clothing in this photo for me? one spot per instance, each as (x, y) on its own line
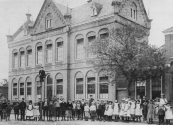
(161, 115)
(51, 111)
(63, 109)
(8, 110)
(102, 110)
(69, 110)
(16, 111)
(46, 109)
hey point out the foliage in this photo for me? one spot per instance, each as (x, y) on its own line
(126, 53)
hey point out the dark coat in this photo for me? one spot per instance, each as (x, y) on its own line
(69, 106)
(161, 112)
(22, 105)
(63, 106)
(16, 108)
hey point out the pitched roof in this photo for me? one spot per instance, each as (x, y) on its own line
(83, 13)
(168, 30)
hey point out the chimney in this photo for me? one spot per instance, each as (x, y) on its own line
(28, 17)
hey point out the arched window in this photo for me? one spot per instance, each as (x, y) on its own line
(39, 52)
(29, 87)
(59, 84)
(79, 85)
(15, 59)
(79, 47)
(48, 21)
(59, 49)
(29, 56)
(91, 84)
(22, 58)
(21, 88)
(103, 85)
(38, 86)
(104, 33)
(91, 37)
(134, 11)
(49, 87)
(49, 51)
(15, 88)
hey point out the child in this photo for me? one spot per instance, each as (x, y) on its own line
(69, 110)
(36, 112)
(102, 110)
(138, 111)
(132, 109)
(150, 114)
(78, 108)
(93, 111)
(8, 110)
(16, 111)
(168, 113)
(86, 111)
(73, 110)
(109, 111)
(116, 110)
(122, 107)
(127, 110)
(51, 111)
(105, 113)
(29, 112)
(161, 115)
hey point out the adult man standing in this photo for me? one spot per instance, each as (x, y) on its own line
(46, 109)
(63, 109)
(82, 108)
(22, 106)
(91, 100)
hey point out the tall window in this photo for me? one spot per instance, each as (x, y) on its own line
(48, 21)
(49, 87)
(29, 56)
(79, 47)
(49, 52)
(59, 84)
(21, 88)
(15, 59)
(38, 86)
(39, 54)
(90, 84)
(14, 84)
(103, 85)
(22, 58)
(29, 88)
(79, 85)
(59, 49)
(91, 38)
(134, 11)
(104, 33)
(156, 87)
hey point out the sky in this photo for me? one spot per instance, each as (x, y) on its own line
(13, 15)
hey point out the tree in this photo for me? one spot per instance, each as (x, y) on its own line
(126, 53)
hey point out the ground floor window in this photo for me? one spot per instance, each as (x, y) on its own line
(59, 84)
(103, 85)
(156, 87)
(91, 84)
(79, 85)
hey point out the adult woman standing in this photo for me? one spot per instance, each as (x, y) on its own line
(29, 112)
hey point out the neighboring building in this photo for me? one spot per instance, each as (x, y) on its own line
(58, 39)
(3, 92)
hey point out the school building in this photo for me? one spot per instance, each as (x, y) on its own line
(58, 39)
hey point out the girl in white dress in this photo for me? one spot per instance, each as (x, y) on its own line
(168, 113)
(127, 111)
(105, 113)
(138, 111)
(132, 109)
(109, 111)
(36, 112)
(29, 112)
(116, 110)
(122, 107)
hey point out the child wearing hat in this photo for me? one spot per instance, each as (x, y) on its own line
(161, 115)
(93, 111)
(168, 113)
(150, 114)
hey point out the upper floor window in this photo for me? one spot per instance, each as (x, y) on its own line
(49, 51)
(48, 21)
(59, 49)
(29, 56)
(15, 59)
(104, 33)
(79, 47)
(91, 38)
(22, 58)
(39, 52)
(134, 11)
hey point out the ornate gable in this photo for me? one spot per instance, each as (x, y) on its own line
(139, 15)
(48, 18)
(96, 7)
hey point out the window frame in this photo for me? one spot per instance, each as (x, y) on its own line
(48, 21)
(22, 58)
(37, 54)
(59, 77)
(29, 59)
(105, 83)
(49, 52)
(15, 60)
(61, 47)
(82, 55)
(14, 81)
